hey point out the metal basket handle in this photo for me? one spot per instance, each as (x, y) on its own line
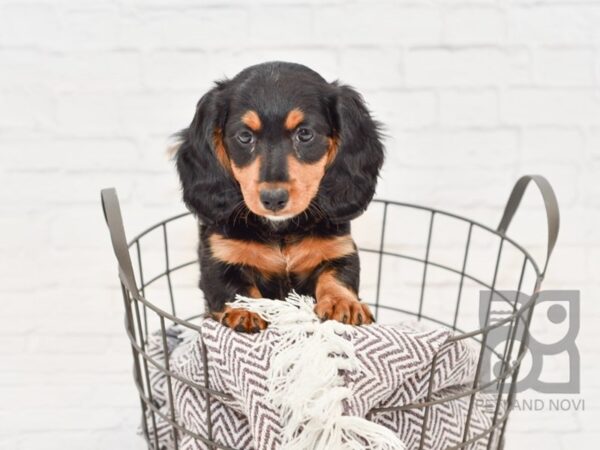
(114, 221)
(550, 202)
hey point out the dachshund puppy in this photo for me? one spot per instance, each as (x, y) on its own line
(275, 164)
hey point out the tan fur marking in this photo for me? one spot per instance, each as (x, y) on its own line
(302, 186)
(338, 302)
(299, 257)
(248, 177)
(240, 320)
(306, 255)
(220, 151)
(293, 119)
(251, 120)
(265, 258)
(329, 285)
(254, 292)
(304, 182)
(332, 150)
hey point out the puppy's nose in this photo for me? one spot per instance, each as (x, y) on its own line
(274, 199)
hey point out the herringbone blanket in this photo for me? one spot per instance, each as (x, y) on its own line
(395, 362)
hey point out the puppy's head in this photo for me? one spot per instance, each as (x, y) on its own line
(279, 140)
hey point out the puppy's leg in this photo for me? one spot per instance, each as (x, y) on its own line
(337, 298)
(221, 282)
(240, 319)
(221, 289)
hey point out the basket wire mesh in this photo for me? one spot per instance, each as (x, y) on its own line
(143, 314)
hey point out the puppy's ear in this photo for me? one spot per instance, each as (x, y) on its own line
(349, 182)
(209, 190)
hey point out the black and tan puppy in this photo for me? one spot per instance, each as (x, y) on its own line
(275, 164)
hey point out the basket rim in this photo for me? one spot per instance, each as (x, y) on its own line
(476, 223)
(459, 335)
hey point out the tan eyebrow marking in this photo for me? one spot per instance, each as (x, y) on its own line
(294, 118)
(251, 120)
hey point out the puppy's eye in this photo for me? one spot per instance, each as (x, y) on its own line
(304, 134)
(245, 137)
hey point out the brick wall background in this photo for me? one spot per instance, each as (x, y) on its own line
(473, 94)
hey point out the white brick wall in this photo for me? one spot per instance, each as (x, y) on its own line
(473, 94)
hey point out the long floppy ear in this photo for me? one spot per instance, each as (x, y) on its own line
(349, 183)
(209, 190)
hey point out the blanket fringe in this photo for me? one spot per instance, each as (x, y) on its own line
(306, 379)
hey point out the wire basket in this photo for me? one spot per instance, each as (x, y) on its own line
(458, 259)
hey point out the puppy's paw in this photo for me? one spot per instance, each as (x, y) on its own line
(345, 309)
(240, 320)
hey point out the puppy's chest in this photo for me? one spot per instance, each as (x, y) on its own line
(291, 255)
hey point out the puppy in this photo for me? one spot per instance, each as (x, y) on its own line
(275, 164)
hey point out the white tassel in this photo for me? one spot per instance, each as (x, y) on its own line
(305, 382)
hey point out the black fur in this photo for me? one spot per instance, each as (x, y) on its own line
(208, 190)
(361, 157)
